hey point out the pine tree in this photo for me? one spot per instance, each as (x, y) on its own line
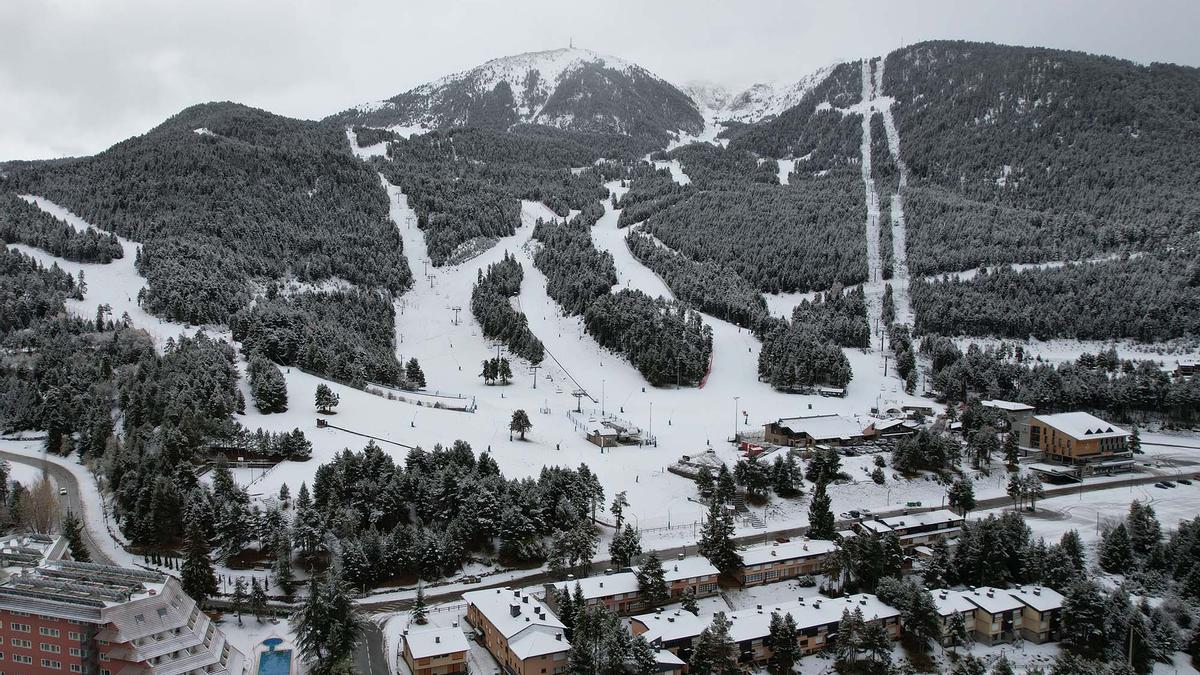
(267, 385)
(849, 638)
(281, 569)
(72, 531)
(1144, 529)
(1116, 551)
(956, 629)
(1135, 440)
(414, 374)
(821, 524)
(258, 599)
(716, 539)
(1073, 547)
(327, 625)
(238, 602)
(715, 652)
(326, 399)
(197, 576)
(782, 643)
(504, 371)
(961, 496)
(725, 486)
(619, 502)
(688, 599)
(1012, 451)
(705, 483)
(419, 613)
(1083, 616)
(520, 423)
(878, 645)
(651, 582)
(625, 546)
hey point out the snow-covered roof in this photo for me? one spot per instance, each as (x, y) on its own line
(792, 550)
(822, 426)
(435, 642)
(602, 586)
(530, 628)
(993, 600)
(1038, 597)
(692, 567)
(938, 517)
(663, 657)
(951, 602)
(1082, 426)
(876, 526)
(1010, 406)
(595, 427)
(753, 624)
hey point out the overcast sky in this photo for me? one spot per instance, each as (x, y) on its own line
(77, 76)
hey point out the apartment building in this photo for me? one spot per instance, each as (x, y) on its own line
(519, 630)
(61, 616)
(1041, 618)
(917, 529)
(1077, 437)
(694, 572)
(620, 592)
(435, 651)
(783, 560)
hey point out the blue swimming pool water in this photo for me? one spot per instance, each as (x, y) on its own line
(275, 663)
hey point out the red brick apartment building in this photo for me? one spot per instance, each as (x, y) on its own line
(61, 616)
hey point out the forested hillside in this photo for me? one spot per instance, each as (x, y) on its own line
(22, 222)
(221, 194)
(1040, 154)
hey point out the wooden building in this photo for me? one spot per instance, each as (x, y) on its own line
(1077, 437)
(810, 430)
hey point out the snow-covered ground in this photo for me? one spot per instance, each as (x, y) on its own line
(786, 167)
(676, 169)
(115, 284)
(365, 152)
(1060, 350)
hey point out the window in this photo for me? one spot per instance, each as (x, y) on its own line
(76, 668)
(53, 649)
(20, 627)
(21, 658)
(75, 651)
(48, 632)
(17, 642)
(77, 637)
(52, 665)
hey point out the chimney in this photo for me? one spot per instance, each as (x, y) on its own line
(670, 619)
(772, 554)
(816, 604)
(437, 639)
(1037, 591)
(514, 609)
(759, 607)
(677, 568)
(558, 636)
(990, 594)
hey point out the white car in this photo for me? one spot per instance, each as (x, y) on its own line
(62, 491)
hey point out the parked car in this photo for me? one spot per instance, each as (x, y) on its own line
(1160, 486)
(1168, 483)
(62, 491)
(1184, 481)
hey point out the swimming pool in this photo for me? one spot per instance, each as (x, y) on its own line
(275, 663)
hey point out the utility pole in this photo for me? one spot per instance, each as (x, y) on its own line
(430, 277)
(601, 398)
(651, 431)
(456, 310)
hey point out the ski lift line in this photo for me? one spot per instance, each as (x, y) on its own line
(568, 374)
(374, 438)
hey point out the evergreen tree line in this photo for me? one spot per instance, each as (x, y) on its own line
(425, 517)
(30, 292)
(664, 340)
(650, 191)
(492, 309)
(289, 445)
(780, 239)
(906, 357)
(260, 197)
(344, 335)
(367, 136)
(1150, 298)
(1082, 154)
(1111, 386)
(467, 185)
(711, 167)
(883, 166)
(796, 357)
(25, 223)
(267, 385)
(576, 272)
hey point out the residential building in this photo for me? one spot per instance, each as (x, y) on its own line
(816, 620)
(917, 529)
(809, 430)
(694, 572)
(620, 592)
(779, 561)
(948, 604)
(62, 616)
(1018, 416)
(998, 615)
(1077, 437)
(522, 635)
(1041, 619)
(435, 651)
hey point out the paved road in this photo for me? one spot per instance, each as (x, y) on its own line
(369, 656)
(65, 479)
(539, 577)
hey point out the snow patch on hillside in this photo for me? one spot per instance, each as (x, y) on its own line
(365, 152)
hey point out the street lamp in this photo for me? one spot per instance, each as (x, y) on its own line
(601, 397)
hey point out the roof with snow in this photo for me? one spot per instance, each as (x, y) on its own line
(822, 427)
(435, 642)
(792, 550)
(1082, 426)
(993, 600)
(1038, 597)
(753, 624)
(938, 517)
(602, 586)
(951, 602)
(1010, 406)
(530, 628)
(692, 567)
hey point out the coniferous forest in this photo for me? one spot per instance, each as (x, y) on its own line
(490, 303)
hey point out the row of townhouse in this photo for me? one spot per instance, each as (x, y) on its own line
(817, 621)
(621, 592)
(994, 615)
(916, 530)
